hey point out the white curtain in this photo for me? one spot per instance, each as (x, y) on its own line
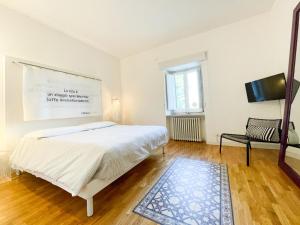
(4, 155)
(5, 171)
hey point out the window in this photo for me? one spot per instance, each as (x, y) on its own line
(184, 91)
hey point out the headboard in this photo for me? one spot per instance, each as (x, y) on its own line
(15, 126)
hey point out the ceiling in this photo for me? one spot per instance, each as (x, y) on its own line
(125, 27)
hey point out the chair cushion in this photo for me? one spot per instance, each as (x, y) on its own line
(260, 133)
(262, 129)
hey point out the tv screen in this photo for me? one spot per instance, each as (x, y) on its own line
(269, 88)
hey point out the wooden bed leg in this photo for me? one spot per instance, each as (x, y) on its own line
(90, 206)
(18, 172)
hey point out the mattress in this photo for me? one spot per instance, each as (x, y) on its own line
(71, 158)
(120, 154)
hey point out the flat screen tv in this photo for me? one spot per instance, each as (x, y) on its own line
(269, 88)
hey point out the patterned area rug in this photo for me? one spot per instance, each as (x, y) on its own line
(189, 192)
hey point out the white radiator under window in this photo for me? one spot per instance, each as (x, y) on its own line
(185, 128)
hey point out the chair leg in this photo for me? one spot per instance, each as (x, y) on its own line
(248, 154)
(221, 143)
(250, 145)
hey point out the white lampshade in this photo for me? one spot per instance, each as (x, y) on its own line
(116, 110)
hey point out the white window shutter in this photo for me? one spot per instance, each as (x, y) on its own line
(171, 92)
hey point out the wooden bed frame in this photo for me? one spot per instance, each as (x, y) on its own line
(96, 185)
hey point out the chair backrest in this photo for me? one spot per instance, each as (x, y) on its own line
(267, 123)
(291, 126)
(293, 137)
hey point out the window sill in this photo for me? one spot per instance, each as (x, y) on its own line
(186, 115)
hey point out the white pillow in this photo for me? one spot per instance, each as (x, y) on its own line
(96, 125)
(53, 132)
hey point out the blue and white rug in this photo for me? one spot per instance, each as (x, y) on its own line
(189, 192)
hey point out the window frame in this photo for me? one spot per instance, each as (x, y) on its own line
(186, 94)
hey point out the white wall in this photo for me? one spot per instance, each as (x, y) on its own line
(237, 53)
(2, 103)
(24, 38)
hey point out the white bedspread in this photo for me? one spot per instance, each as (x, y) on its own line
(71, 160)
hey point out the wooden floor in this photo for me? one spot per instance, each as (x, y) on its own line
(261, 194)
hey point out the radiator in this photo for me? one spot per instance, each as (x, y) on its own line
(185, 128)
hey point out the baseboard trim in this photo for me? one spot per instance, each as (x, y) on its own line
(293, 154)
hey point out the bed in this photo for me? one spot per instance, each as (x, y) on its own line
(85, 159)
